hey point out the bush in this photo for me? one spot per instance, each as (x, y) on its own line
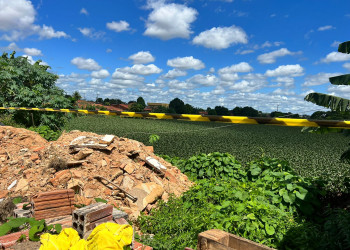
(261, 202)
(46, 132)
(26, 85)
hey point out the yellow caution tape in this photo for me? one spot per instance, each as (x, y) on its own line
(203, 118)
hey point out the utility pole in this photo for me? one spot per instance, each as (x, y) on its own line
(277, 107)
(96, 97)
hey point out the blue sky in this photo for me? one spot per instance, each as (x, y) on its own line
(259, 53)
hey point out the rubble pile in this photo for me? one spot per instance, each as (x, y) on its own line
(122, 171)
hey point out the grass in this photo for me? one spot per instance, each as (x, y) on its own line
(310, 155)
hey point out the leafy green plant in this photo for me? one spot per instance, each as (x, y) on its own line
(213, 165)
(23, 84)
(17, 200)
(36, 227)
(153, 139)
(100, 200)
(46, 132)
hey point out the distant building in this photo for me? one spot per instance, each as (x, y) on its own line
(203, 112)
(147, 109)
(155, 104)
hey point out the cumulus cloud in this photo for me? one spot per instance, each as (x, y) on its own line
(32, 51)
(121, 79)
(90, 32)
(335, 44)
(32, 61)
(247, 86)
(318, 79)
(205, 80)
(286, 70)
(84, 11)
(173, 73)
(118, 26)
(346, 66)
(287, 82)
(168, 21)
(326, 27)
(280, 91)
(185, 63)
(245, 52)
(142, 57)
(335, 57)
(17, 22)
(221, 37)
(180, 85)
(83, 63)
(140, 69)
(100, 74)
(272, 56)
(235, 68)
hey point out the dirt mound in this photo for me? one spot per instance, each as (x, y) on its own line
(122, 171)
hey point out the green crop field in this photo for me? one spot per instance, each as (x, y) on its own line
(310, 155)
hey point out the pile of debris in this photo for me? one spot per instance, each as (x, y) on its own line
(122, 171)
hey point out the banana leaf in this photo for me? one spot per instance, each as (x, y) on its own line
(333, 102)
(344, 47)
(340, 80)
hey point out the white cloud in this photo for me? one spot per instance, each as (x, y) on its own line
(84, 11)
(286, 70)
(247, 86)
(245, 52)
(235, 68)
(173, 73)
(32, 61)
(109, 50)
(17, 22)
(327, 27)
(346, 66)
(142, 57)
(11, 47)
(16, 15)
(288, 82)
(283, 92)
(180, 85)
(122, 79)
(272, 56)
(140, 69)
(118, 26)
(168, 21)
(32, 51)
(318, 79)
(335, 57)
(88, 64)
(185, 63)
(48, 32)
(100, 74)
(90, 32)
(335, 44)
(205, 80)
(221, 37)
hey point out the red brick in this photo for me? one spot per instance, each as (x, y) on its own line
(38, 149)
(11, 239)
(139, 246)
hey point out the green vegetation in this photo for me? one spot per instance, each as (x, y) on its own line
(36, 227)
(25, 85)
(46, 132)
(264, 201)
(310, 155)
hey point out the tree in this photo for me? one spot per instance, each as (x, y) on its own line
(76, 96)
(177, 105)
(160, 109)
(136, 107)
(221, 110)
(25, 85)
(246, 111)
(211, 111)
(335, 103)
(99, 100)
(188, 109)
(141, 101)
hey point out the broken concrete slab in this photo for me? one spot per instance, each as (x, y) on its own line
(146, 193)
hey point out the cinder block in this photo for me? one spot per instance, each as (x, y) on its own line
(92, 213)
(119, 214)
(20, 213)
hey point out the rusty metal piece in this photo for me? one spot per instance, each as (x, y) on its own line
(133, 198)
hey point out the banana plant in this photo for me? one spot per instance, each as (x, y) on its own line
(335, 103)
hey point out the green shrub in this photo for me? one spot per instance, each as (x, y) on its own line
(46, 132)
